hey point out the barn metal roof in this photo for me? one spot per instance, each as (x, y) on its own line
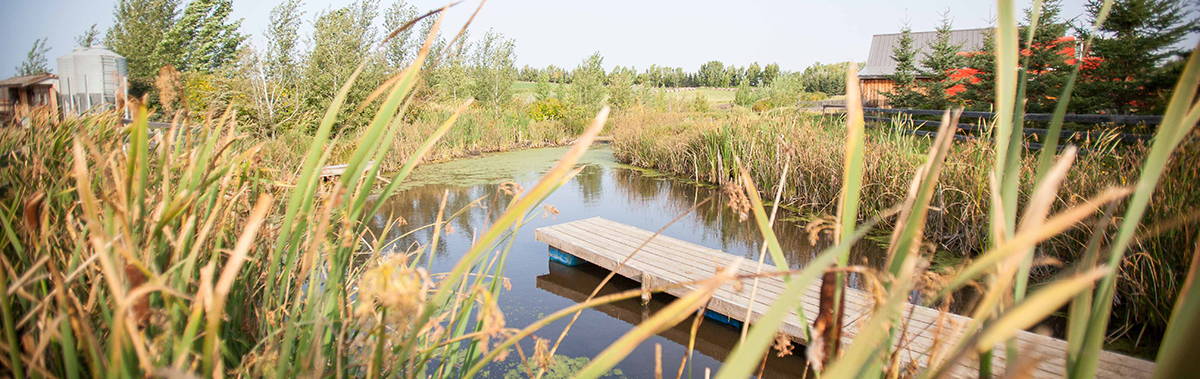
(879, 59)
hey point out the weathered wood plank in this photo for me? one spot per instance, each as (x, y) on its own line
(664, 260)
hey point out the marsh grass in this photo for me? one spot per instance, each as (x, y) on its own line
(693, 146)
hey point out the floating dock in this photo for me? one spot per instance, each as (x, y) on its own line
(665, 260)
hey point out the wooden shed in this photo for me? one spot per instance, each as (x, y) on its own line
(27, 92)
(875, 78)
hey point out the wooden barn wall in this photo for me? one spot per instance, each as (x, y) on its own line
(872, 91)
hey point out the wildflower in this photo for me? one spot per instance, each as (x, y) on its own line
(1068, 51)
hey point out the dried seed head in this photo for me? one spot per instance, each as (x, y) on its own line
(737, 200)
(511, 188)
(783, 345)
(541, 353)
(394, 286)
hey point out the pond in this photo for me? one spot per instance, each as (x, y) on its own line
(604, 188)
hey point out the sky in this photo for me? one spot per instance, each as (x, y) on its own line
(675, 33)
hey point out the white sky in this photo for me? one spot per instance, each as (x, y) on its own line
(562, 32)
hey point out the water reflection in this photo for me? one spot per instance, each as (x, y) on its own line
(603, 188)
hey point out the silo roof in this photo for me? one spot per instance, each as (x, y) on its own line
(93, 51)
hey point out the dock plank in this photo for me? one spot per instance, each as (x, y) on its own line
(664, 260)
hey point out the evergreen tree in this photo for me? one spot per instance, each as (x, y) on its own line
(138, 27)
(904, 94)
(203, 39)
(769, 74)
(1048, 58)
(937, 63)
(401, 48)
(35, 60)
(89, 38)
(1135, 41)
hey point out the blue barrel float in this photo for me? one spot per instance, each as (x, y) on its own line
(713, 315)
(564, 258)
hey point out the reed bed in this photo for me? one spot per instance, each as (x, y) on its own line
(703, 147)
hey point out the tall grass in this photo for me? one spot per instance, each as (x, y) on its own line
(693, 146)
(133, 252)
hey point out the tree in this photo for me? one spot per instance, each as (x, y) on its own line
(769, 74)
(753, 75)
(493, 69)
(401, 48)
(829, 79)
(274, 76)
(1134, 42)
(283, 34)
(620, 87)
(203, 39)
(586, 93)
(541, 90)
(713, 74)
(1047, 62)
(940, 59)
(35, 60)
(138, 27)
(89, 38)
(904, 94)
(341, 40)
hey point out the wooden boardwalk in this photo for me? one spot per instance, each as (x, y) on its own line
(667, 260)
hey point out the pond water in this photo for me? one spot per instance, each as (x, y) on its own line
(539, 287)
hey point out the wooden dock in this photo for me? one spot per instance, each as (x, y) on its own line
(665, 260)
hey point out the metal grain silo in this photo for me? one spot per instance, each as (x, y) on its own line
(90, 78)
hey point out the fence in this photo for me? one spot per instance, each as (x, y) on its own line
(973, 130)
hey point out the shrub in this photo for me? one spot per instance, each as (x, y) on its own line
(699, 103)
(547, 109)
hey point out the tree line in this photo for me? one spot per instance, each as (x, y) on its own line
(1129, 68)
(710, 74)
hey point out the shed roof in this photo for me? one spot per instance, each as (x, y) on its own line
(881, 64)
(25, 81)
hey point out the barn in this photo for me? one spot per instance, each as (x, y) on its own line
(875, 78)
